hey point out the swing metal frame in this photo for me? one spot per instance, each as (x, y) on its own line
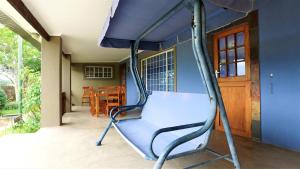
(206, 70)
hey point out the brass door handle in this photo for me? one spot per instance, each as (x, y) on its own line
(217, 73)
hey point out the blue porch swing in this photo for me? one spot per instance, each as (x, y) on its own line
(171, 124)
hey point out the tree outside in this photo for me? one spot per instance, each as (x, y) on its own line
(29, 112)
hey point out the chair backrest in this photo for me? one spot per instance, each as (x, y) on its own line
(164, 109)
(113, 94)
(123, 89)
(106, 89)
(87, 90)
(92, 101)
(103, 88)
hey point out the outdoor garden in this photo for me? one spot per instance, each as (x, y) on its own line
(20, 66)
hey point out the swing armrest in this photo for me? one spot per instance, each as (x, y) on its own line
(122, 109)
(169, 129)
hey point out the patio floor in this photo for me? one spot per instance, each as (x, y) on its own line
(72, 146)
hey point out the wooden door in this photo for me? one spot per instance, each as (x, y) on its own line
(232, 67)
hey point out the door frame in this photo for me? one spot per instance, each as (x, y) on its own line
(243, 81)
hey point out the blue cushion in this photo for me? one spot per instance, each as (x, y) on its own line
(166, 109)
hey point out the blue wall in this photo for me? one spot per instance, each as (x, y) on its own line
(280, 55)
(131, 90)
(188, 78)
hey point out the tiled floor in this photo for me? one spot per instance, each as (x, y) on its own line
(72, 146)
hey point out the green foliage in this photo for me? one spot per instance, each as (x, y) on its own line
(9, 112)
(31, 105)
(32, 59)
(21, 127)
(31, 100)
(31, 80)
(8, 48)
(30, 126)
(11, 106)
(3, 99)
(9, 51)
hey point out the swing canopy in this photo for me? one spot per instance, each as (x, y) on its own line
(129, 18)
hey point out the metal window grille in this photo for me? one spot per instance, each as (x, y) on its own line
(158, 71)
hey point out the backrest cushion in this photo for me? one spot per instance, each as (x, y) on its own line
(166, 109)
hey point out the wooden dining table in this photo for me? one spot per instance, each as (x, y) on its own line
(101, 96)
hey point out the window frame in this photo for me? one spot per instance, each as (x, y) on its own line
(173, 49)
(109, 70)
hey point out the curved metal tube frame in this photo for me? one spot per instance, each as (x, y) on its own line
(168, 129)
(220, 101)
(135, 75)
(142, 94)
(206, 70)
(202, 66)
(205, 66)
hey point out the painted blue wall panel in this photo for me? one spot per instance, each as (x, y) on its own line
(131, 95)
(280, 55)
(188, 77)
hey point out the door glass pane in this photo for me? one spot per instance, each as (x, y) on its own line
(231, 69)
(223, 57)
(241, 68)
(231, 56)
(240, 53)
(230, 41)
(223, 71)
(240, 38)
(222, 44)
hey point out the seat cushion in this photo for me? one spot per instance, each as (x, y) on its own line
(166, 109)
(138, 134)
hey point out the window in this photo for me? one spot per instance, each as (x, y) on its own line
(158, 71)
(98, 72)
(231, 54)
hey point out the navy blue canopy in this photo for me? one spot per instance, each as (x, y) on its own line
(129, 18)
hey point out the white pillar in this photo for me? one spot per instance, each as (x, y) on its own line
(51, 82)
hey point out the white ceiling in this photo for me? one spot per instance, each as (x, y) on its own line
(79, 22)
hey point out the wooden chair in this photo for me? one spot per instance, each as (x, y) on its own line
(86, 94)
(92, 103)
(113, 98)
(123, 95)
(100, 99)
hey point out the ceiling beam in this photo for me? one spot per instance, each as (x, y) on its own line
(12, 25)
(27, 15)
